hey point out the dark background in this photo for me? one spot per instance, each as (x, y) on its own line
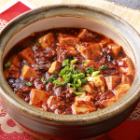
(135, 4)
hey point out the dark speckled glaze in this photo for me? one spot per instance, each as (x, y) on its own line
(42, 124)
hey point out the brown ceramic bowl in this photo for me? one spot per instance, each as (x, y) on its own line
(41, 123)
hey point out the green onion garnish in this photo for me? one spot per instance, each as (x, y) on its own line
(28, 84)
(89, 70)
(103, 67)
(95, 73)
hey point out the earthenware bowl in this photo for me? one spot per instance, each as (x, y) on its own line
(43, 124)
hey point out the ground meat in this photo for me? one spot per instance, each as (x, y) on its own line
(68, 70)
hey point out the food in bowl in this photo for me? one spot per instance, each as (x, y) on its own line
(42, 124)
(69, 70)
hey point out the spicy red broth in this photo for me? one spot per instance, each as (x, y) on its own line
(69, 70)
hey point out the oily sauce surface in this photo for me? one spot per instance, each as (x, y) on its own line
(69, 70)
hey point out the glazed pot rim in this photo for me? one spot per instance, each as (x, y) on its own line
(85, 119)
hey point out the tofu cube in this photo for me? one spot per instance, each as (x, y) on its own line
(27, 72)
(112, 81)
(83, 104)
(67, 40)
(55, 66)
(121, 89)
(108, 102)
(37, 97)
(82, 107)
(130, 70)
(71, 50)
(116, 49)
(87, 36)
(100, 83)
(46, 40)
(53, 102)
(88, 88)
(84, 97)
(68, 44)
(128, 67)
(91, 51)
(28, 55)
(127, 79)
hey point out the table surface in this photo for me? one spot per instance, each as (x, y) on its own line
(135, 4)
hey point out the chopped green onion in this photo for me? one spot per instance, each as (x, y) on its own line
(80, 89)
(28, 84)
(65, 70)
(78, 93)
(83, 80)
(69, 75)
(51, 79)
(77, 83)
(73, 61)
(89, 70)
(103, 67)
(58, 82)
(65, 62)
(95, 73)
(7, 65)
(78, 75)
